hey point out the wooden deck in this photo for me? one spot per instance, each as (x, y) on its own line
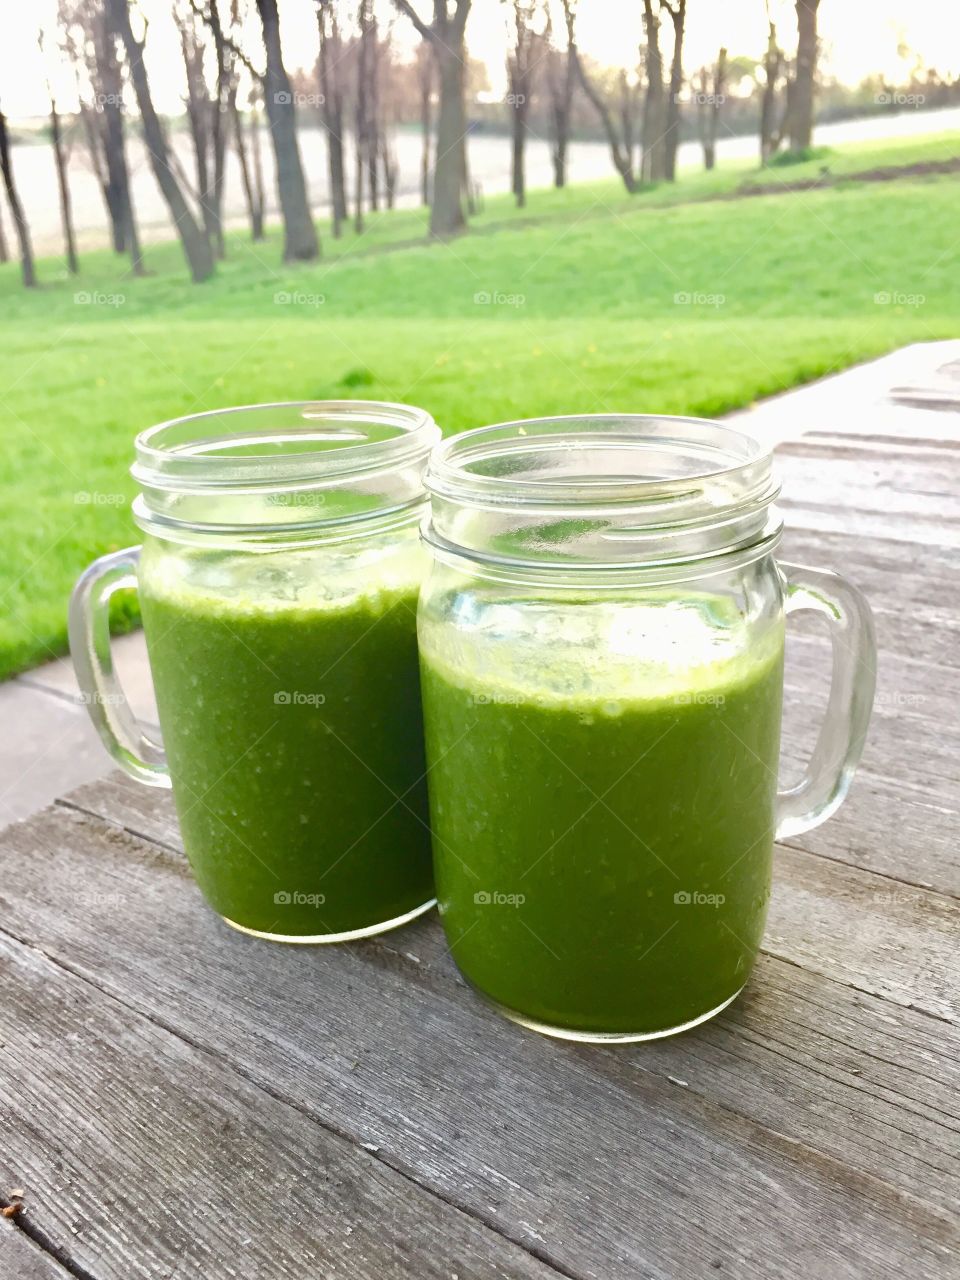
(177, 1100)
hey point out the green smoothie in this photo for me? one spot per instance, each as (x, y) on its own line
(603, 827)
(291, 721)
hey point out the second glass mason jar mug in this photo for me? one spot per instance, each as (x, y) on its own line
(601, 644)
(278, 581)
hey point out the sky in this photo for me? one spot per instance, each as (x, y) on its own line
(859, 37)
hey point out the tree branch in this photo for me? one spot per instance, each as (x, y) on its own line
(407, 9)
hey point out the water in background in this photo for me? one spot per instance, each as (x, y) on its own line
(489, 165)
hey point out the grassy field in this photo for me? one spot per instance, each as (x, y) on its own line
(677, 299)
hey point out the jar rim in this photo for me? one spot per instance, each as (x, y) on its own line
(288, 471)
(601, 490)
(187, 452)
(449, 474)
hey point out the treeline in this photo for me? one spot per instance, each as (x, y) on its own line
(359, 90)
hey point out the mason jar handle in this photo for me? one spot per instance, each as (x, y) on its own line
(822, 789)
(89, 625)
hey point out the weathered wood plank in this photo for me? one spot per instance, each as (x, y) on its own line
(909, 495)
(842, 926)
(903, 813)
(21, 1258)
(792, 1116)
(145, 1157)
(914, 611)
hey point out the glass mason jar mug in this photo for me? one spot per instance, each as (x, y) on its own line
(601, 646)
(278, 581)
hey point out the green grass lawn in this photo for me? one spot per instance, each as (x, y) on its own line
(585, 318)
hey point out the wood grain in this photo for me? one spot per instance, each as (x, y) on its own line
(797, 1098)
(145, 1157)
(21, 1258)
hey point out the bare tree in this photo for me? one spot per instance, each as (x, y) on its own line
(209, 115)
(330, 80)
(710, 86)
(678, 14)
(202, 113)
(368, 96)
(90, 41)
(772, 67)
(653, 163)
(300, 242)
(230, 58)
(251, 179)
(802, 89)
(16, 208)
(196, 246)
(522, 58)
(4, 250)
(561, 81)
(426, 74)
(446, 37)
(61, 159)
(621, 150)
(386, 118)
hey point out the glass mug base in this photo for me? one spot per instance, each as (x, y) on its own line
(598, 1037)
(350, 935)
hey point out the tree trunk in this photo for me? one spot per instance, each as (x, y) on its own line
(254, 209)
(220, 110)
(331, 109)
(654, 148)
(94, 141)
(801, 105)
(300, 241)
(678, 15)
(447, 217)
(769, 139)
(132, 238)
(450, 178)
(16, 209)
(709, 102)
(4, 250)
(517, 181)
(561, 99)
(196, 247)
(621, 158)
(63, 186)
(261, 195)
(425, 72)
